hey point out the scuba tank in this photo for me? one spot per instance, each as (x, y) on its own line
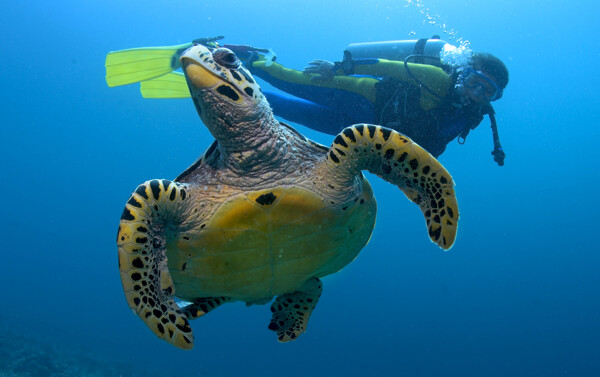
(423, 49)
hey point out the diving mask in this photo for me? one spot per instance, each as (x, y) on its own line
(483, 85)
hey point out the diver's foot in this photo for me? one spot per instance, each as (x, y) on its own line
(210, 42)
(249, 54)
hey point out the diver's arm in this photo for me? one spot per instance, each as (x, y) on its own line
(434, 83)
(432, 76)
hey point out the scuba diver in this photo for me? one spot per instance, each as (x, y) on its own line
(426, 89)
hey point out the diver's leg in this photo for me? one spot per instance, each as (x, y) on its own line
(308, 114)
(353, 96)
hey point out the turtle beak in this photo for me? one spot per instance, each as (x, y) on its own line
(192, 63)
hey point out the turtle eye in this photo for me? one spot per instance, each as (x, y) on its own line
(226, 58)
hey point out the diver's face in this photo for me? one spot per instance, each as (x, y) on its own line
(480, 87)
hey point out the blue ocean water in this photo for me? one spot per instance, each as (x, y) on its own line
(518, 294)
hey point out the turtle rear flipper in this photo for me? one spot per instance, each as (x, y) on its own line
(291, 311)
(147, 283)
(398, 160)
(203, 305)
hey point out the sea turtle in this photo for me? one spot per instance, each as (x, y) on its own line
(264, 212)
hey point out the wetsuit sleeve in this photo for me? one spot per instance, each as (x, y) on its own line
(433, 77)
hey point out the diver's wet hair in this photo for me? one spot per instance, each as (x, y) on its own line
(488, 63)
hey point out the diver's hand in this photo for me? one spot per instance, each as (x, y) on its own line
(323, 69)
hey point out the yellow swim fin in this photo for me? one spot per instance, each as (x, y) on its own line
(139, 64)
(171, 85)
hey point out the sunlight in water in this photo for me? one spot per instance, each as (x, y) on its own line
(435, 19)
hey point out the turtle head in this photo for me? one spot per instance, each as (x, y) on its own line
(226, 96)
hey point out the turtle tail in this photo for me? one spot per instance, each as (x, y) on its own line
(154, 207)
(400, 161)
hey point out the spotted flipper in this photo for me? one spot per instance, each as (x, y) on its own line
(203, 305)
(154, 207)
(398, 160)
(292, 310)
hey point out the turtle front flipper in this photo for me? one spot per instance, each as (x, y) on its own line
(291, 311)
(398, 160)
(155, 207)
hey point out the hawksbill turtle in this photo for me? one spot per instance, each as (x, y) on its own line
(264, 212)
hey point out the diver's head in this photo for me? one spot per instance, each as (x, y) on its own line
(484, 80)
